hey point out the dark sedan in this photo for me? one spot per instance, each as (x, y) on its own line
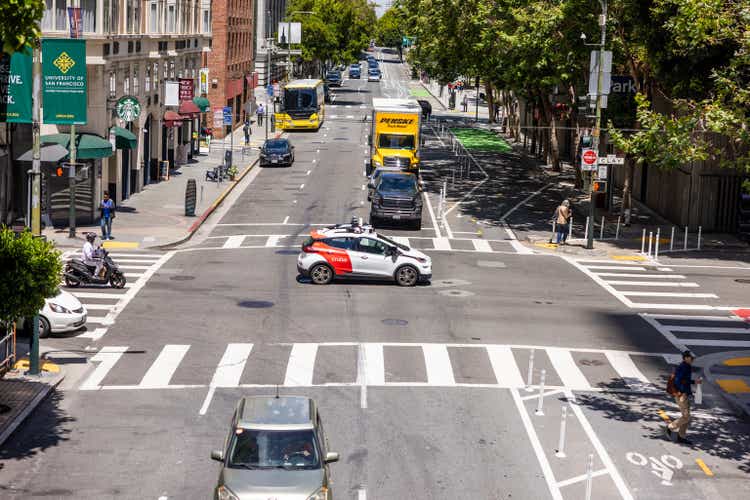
(276, 152)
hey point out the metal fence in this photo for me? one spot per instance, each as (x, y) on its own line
(7, 350)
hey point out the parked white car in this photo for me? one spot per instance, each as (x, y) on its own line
(61, 313)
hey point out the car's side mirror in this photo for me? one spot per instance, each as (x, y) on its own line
(217, 455)
(331, 456)
(369, 139)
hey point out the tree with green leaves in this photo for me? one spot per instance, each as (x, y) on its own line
(20, 23)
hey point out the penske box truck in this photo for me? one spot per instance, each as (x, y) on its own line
(395, 134)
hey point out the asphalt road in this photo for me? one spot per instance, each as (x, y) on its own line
(421, 390)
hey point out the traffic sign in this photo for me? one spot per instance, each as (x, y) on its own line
(588, 159)
(227, 112)
(599, 187)
(602, 174)
(611, 160)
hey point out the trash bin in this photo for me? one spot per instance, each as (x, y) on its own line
(228, 158)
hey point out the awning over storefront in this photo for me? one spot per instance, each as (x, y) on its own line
(88, 146)
(51, 153)
(189, 108)
(202, 103)
(172, 119)
(124, 138)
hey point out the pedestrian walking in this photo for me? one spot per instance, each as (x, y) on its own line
(106, 214)
(562, 219)
(497, 111)
(465, 103)
(246, 131)
(260, 111)
(679, 386)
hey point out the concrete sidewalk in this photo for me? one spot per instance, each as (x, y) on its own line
(728, 373)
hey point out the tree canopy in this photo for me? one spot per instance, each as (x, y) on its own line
(20, 23)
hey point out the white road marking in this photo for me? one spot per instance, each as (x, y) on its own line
(401, 239)
(363, 187)
(161, 370)
(94, 335)
(505, 367)
(654, 283)
(517, 245)
(234, 241)
(636, 275)
(98, 295)
(665, 269)
(273, 241)
(626, 301)
(107, 358)
(570, 375)
(625, 367)
(616, 268)
(582, 477)
(286, 219)
(671, 294)
(432, 214)
(441, 243)
(134, 267)
(671, 338)
(134, 255)
(132, 275)
(695, 318)
(98, 307)
(705, 329)
(308, 172)
(481, 245)
(438, 365)
(717, 343)
(299, 369)
(136, 261)
(231, 366)
(362, 376)
(375, 367)
(301, 187)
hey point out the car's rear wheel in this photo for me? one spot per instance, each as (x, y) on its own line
(407, 276)
(44, 328)
(321, 274)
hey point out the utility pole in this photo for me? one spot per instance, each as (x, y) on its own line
(476, 102)
(72, 184)
(598, 123)
(36, 163)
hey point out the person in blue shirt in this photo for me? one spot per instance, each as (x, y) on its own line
(683, 380)
(107, 213)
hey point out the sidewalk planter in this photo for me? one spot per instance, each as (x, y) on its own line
(232, 172)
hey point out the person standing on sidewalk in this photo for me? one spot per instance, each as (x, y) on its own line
(464, 104)
(246, 131)
(106, 214)
(679, 386)
(260, 112)
(562, 219)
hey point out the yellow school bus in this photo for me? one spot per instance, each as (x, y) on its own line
(302, 105)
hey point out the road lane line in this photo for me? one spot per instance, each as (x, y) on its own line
(582, 477)
(441, 243)
(308, 172)
(716, 343)
(536, 445)
(571, 376)
(234, 241)
(362, 376)
(505, 367)
(438, 365)
(134, 267)
(107, 357)
(98, 307)
(704, 467)
(679, 284)
(361, 494)
(482, 245)
(273, 240)
(375, 367)
(519, 247)
(665, 332)
(432, 214)
(706, 329)
(635, 275)
(626, 369)
(231, 366)
(286, 219)
(694, 318)
(615, 268)
(299, 369)
(98, 295)
(161, 370)
(630, 293)
(94, 335)
(301, 187)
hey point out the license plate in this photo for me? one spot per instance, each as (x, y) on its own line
(396, 217)
(274, 161)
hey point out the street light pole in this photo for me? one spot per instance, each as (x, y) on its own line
(598, 123)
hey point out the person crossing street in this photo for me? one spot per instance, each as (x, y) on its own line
(260, 112)
(680, 387)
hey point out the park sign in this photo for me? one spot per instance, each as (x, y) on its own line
(128, 108)
(64, 81)
(15, 87)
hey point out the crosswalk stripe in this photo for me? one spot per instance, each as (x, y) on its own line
(625, 367)
(374, 364)
(94, 334)
(231, 366)
(98, 295)
(654, 283)
(706, 329)
(130, 266)
(481, 245)
(565, 366)
(134, 255)
(96, 319)
(617, 268)
(98, 307)
(132, 275)
(160, 372)
(299, 369)
(441, 243)
(273, 241)
(234, 241)
(107, 358)
(670, 294)
(505, 367)
(135, 261)
(438, 365)
(716, 342)
(690, 317)
(642, 275)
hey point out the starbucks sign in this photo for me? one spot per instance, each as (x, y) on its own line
(128, 108)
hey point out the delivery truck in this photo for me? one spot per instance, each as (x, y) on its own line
(394, 138)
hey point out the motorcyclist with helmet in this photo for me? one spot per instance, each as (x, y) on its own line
(92, 254)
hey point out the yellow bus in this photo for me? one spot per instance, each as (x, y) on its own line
(302, 105)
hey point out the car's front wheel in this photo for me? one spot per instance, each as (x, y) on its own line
(321, 274)
(407, 275)
(44, 328)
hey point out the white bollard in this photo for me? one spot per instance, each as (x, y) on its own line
(570, 228)
(671, 240)
(554, 232)
(643, 241)
(601, 230)
(686, 238)
(561, 444)
(650, 242)
(530, 373)
(589, 476)
(700, 231)
(586, 230)
(698, 398)
(656, 247)
(540, 403)
(617, 230)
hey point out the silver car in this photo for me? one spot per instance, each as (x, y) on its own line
(276, 448)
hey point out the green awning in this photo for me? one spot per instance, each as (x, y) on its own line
(202, 103)
(124, 138)
(88, 146)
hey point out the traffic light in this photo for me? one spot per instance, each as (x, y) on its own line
(59, 171)
(599, 187)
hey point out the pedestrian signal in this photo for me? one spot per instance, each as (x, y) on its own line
(59, 171)
(600, 187)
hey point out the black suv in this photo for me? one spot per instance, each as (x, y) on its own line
(276, 152)
(397, 196)
(333, 78)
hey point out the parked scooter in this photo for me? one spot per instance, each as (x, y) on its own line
(77, 273)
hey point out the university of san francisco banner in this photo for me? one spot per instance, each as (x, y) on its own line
(15, 87)
(64, 81)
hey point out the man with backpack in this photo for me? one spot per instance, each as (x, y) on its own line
(679, 386)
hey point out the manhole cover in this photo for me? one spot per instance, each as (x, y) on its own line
(394, 322)
(287, 252)
(4, 409)
(743, 280)
(182, 277)
(255, 304)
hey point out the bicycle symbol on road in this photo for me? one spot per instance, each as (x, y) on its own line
(663, 467)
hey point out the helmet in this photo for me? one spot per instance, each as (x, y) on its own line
(90, 237)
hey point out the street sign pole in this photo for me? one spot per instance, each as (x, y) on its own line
(72, 185)
(597, 126)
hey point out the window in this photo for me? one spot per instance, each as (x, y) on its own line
(264, 449)
(153, 18)
(368, 245)
(88, 15)
(105, 16)
(137, 16)
(206, 22)
(112, 84)
(170, 19)
(342, 243)
(47, 16)
(147, 80)
(136, 81)
(61, 15)
(156, 75)
(126, 83)
(396, 141)
(129, 16)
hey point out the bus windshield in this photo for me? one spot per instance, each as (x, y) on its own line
(299, 99)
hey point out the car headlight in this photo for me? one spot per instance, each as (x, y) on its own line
(225, 494)
(421, 260)
(321, 494)
(58, 308)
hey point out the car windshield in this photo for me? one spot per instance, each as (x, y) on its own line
(398, 183)
(396, 141)
(300, 99)
(263, 449)
(332, 74)
(276, 146)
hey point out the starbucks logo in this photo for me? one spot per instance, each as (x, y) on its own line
(128, 108)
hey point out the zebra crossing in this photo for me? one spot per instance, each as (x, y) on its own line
(104, 303)
(701, 334)
(341, 364)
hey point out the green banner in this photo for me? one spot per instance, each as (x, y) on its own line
(64, 81)
(15, 87)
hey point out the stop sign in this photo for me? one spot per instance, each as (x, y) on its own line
(589, 157)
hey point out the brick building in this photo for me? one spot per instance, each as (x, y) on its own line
(230, 63)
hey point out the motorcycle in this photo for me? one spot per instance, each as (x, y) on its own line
(77, 273)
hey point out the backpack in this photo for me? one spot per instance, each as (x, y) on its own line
(671, 387)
